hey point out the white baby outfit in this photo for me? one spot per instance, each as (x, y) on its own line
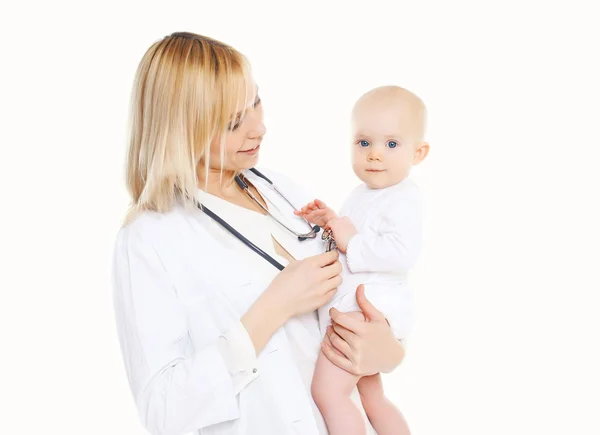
(380, 256)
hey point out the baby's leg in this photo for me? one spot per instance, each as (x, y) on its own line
(331, 390)
(383, 415)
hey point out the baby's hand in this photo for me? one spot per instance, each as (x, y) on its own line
(316, 212)
(343, 230)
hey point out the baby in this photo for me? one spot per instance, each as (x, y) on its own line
(378, 234)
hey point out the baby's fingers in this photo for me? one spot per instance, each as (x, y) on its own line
(315, 216)
(320, 203)
(318, 213)
(308, 207)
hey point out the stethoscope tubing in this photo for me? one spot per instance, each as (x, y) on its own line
(244, 186)
(241, 237)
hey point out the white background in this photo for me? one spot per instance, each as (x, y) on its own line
(508, 308)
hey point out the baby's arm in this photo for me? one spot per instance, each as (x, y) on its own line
(317, 212)
(392, 244)
(343, 230)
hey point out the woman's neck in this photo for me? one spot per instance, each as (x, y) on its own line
(221, 184)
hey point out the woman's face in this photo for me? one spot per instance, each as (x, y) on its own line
(242, 141)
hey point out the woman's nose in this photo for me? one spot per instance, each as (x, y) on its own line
(258, 128)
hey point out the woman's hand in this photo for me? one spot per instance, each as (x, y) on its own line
(362, 347)
(301, 287)
(307, 284)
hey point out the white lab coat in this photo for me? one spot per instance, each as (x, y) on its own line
(181, 285)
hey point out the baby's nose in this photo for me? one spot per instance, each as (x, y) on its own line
(373, 156)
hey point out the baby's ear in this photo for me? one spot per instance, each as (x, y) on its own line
(421, 153)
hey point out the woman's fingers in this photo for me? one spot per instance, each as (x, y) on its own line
(336, 357)
(331, 270)
(347, 335)
(346, 320)
(327, 290)
(326, 297)
(338, 343)
(326, 258)
(329, 287)
(368, 309)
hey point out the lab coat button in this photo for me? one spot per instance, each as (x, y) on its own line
(254, 370)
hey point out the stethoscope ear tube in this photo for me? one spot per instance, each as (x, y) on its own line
(314, 230)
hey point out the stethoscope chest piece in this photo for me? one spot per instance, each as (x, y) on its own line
(327, 236)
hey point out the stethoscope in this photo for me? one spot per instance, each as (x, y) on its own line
(314, 230)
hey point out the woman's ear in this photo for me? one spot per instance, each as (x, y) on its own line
(421, 153)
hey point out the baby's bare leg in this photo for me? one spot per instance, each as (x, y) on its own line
(383, 414)
(331, 390)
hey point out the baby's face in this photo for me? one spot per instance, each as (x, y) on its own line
(385, 140)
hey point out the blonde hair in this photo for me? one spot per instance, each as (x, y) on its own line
(186, 92)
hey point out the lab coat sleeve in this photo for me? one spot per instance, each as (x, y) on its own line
(177, 389)
(239, 355)
(392, 243)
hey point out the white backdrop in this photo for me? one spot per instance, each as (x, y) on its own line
(507, 287)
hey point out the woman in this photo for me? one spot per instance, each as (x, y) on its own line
(215, 339)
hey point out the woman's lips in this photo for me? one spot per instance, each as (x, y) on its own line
(251, 151)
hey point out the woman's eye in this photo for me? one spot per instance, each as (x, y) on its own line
(234, 127)
(392, 144)
(363, 143)
(257, 102)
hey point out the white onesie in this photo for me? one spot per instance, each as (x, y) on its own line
(381, 254)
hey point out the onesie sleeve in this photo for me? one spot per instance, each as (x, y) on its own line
(393, 242)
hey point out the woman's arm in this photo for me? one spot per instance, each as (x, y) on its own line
(262, 320)
(177, 388)
(300, 288)
(362, 347)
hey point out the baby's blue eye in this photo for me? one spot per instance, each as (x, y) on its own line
(392, 144)
(364, 143)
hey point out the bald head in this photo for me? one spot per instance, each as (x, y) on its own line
(410, 109)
